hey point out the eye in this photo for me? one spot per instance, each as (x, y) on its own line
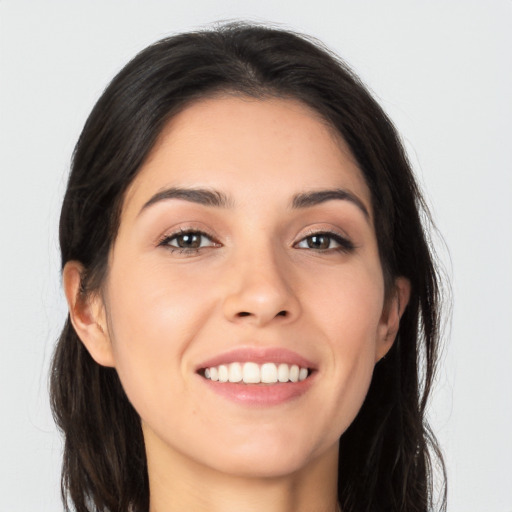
(187, 241)
(325, 241)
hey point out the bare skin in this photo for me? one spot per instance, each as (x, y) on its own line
(175, 487)
(255, 260)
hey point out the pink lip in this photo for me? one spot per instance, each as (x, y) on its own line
(259, 394)
(258, 355)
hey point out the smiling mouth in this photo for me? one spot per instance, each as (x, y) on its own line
(254, 373)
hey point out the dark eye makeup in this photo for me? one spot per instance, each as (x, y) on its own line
(188, 241)
(191, 241)
(326, 241)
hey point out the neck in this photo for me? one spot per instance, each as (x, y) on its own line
(178, 483)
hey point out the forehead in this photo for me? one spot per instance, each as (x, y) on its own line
(251, 149)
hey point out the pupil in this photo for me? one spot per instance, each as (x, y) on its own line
(318, 242)
(190, 240)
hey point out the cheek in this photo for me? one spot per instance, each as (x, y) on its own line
(349, 306)
(153, 318)
(349, 314)
(154, 304)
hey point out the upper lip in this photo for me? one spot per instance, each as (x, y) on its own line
(258, 355)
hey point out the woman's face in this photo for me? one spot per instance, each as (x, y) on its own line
(247, 237)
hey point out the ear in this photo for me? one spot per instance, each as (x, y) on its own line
(390, 320)
(87, 315)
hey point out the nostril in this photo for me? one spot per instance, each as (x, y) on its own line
(242, 314)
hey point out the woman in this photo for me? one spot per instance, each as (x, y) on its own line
(250, 289)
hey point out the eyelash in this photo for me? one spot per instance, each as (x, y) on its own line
(188, 251)
(344, 244)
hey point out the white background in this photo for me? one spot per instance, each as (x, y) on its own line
(441, 69)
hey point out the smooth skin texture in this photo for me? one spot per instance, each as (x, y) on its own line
(263, 274)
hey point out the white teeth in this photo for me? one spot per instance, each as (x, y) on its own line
(269, 373)
(294, 373)
(223, 373)
(235, 372)
(253, 373)
(283, 373)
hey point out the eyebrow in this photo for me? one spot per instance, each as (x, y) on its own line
(202, 196)
(308, 199)
(215, 198)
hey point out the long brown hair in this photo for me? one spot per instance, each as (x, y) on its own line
(387, 454)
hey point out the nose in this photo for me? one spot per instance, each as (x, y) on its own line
(260, 290)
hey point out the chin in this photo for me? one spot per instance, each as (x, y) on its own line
(264, 465)
(269, 458)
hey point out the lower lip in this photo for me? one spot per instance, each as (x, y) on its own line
(260, 394)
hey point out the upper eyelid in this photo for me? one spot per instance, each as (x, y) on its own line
(183, 231)
(169, 235)
(344, 241)
(323, 231)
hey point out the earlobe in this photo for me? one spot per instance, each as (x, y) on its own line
(87, 315)
(390, 321)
